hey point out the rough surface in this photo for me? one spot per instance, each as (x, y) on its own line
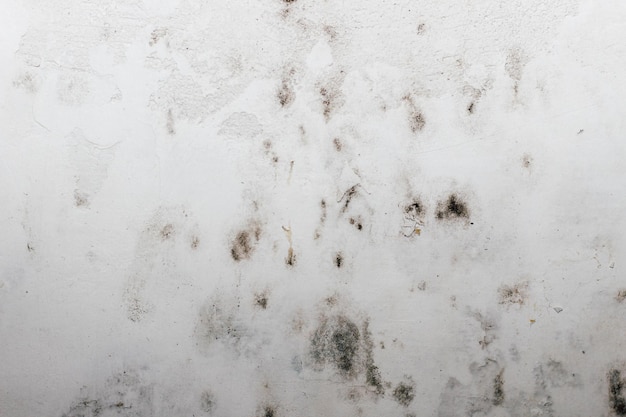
(289, 208)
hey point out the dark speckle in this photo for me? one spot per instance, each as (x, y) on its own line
(268, 410)
(470, 108)
(195, 242)
(285, 94)
(348, 196)
(515, 294)
(404, 392)
(372, 373)
(414, 209)
(356, 222)
(452, 208)
(207, 402)
(290, 260)
(336, 340)
(498, 389)
(527, 161)
(167, 231)
(621, 296)
(244, 243)
(338, 259)
(338, 144)
(417, 121)
(616, 395)
(261, 300)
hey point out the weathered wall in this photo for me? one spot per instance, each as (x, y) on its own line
(312, 208)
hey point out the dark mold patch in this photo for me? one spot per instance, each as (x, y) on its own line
(452, 208)
(336, 340)
(348, 196)
(357, 222)
(498, 389)
(414, 209)
(244, 244)
(170, 122)
(123, 394)
(261, 300)
(515, 294)
(167, 232)
(290, 260)
(285, 93)
(338, 259)
(217, 321)
(267, 410)
(470, 108)
(617, 402)
(404, 392)
(372, 373)
(207, 402)
(417, 121)
(338, 144)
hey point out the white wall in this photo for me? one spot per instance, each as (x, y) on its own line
(312, 208)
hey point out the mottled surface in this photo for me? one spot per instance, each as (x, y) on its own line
(292, 208)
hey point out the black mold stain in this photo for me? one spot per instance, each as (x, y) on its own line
(417, 121)
(286, 94)
(356, 222)
(515, 294)
(414, 209)
(244, 244)
(452, 208)
(261, 300)
(339, 259)
(338, 144)
(404, 392)
(498, 389)
(372, 373)
(207, 402)
(337, 340)
(290, 260)
(348, 196)
(617, 402)
(267, 411)
(470, 108)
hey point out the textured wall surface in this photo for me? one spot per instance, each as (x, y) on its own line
(289, 208)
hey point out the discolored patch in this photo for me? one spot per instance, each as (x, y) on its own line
(336, 340)
(261, 300)
(515, 294)
(338, 260)
(245, 242)
(617, 402)
(452, 208)
(498, 388)
(620, 296)
(207, 402)
(404, 392)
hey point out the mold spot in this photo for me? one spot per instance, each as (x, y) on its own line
(244, 244)
(372, 373)
(167, 231)
(81, 199)
(261, 300)
(617, 401)
(268, 410)
(404, 392)
(452, 208)
(207, 402)
(515, 294)
(339, 259)
(338, 144)
(470, 108)
(195, 242)
(290, 260)
(217, 321)
(356, 222)
(348, 196)
(285, 94)
(527, 161)
(621, 296)
(414, 209)
(336, 340)
(498, 388)
(417, 121)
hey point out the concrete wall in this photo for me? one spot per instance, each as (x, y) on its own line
(312, 208)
